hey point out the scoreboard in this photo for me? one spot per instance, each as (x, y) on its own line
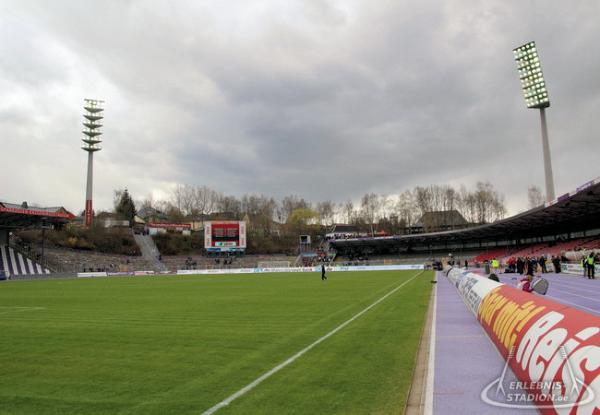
(225, 236)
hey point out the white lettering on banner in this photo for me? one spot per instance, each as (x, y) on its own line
(547, 348)
(534, 334)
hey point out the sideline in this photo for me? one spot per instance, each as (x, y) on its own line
(428, 407)
(225, 402)
(419, 401)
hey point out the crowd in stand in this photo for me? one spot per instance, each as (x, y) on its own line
(321, 257)
(226, 262)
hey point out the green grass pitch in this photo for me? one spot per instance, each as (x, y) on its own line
(181, 344)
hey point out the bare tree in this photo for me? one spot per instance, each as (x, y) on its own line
(407, 208)
(385, 206)
(289, 204)
(489, 204)
(368, 206)
(423, 199)
(261, 211)
(348, 209)
(229, 204)
(204, 200)
(450, 198)
(326, 211)
(535, 196)
(148, 202)
(177, 197)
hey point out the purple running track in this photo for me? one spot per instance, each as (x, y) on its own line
(466, 361)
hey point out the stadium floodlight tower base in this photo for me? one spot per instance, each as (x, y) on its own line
(91, 143)
(550, 195)
(536, 96)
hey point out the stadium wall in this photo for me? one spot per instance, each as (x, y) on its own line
(257, 270)
(576, 269)
(553, 349)
(301, 269)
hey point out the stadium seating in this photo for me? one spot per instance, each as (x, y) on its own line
(72, 260)
(544, 249)
(14, 263)
(491, 254)
(530, 250)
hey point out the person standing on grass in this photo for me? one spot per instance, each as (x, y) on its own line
(323, 276)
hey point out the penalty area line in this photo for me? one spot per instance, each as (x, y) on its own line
(225, 402)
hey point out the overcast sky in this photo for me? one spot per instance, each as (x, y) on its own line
(323, 99)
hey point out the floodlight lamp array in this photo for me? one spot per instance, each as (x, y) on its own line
(532, 78)
(93, 121)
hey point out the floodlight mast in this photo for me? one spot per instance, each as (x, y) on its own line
(536, 96)
(91, 143)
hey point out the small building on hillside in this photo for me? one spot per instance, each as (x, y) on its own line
(150, 214)
(439, 221)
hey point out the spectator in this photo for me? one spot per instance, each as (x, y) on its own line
(525, 284)
(495, 265)
(556, 263)
(520, 265)
(542, 262)
(590, 262)
(530, 265)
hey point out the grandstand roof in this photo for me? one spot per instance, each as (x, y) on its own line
(572, 212)
(13, 215)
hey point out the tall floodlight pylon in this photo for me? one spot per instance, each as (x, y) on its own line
(536, 96)
(91, 143)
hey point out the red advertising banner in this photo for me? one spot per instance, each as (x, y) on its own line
(554, 350)
(88, 213)
(34, 212)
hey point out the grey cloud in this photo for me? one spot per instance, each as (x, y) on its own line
(318, 98)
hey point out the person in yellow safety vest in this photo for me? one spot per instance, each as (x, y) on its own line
(589, 262)
(495, 265)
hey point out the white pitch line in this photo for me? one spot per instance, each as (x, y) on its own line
(577, 305)
(572, 293)
(428, 408)
(280, 366)
(579, 295)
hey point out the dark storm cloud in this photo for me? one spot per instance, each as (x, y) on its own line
(328, 100)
